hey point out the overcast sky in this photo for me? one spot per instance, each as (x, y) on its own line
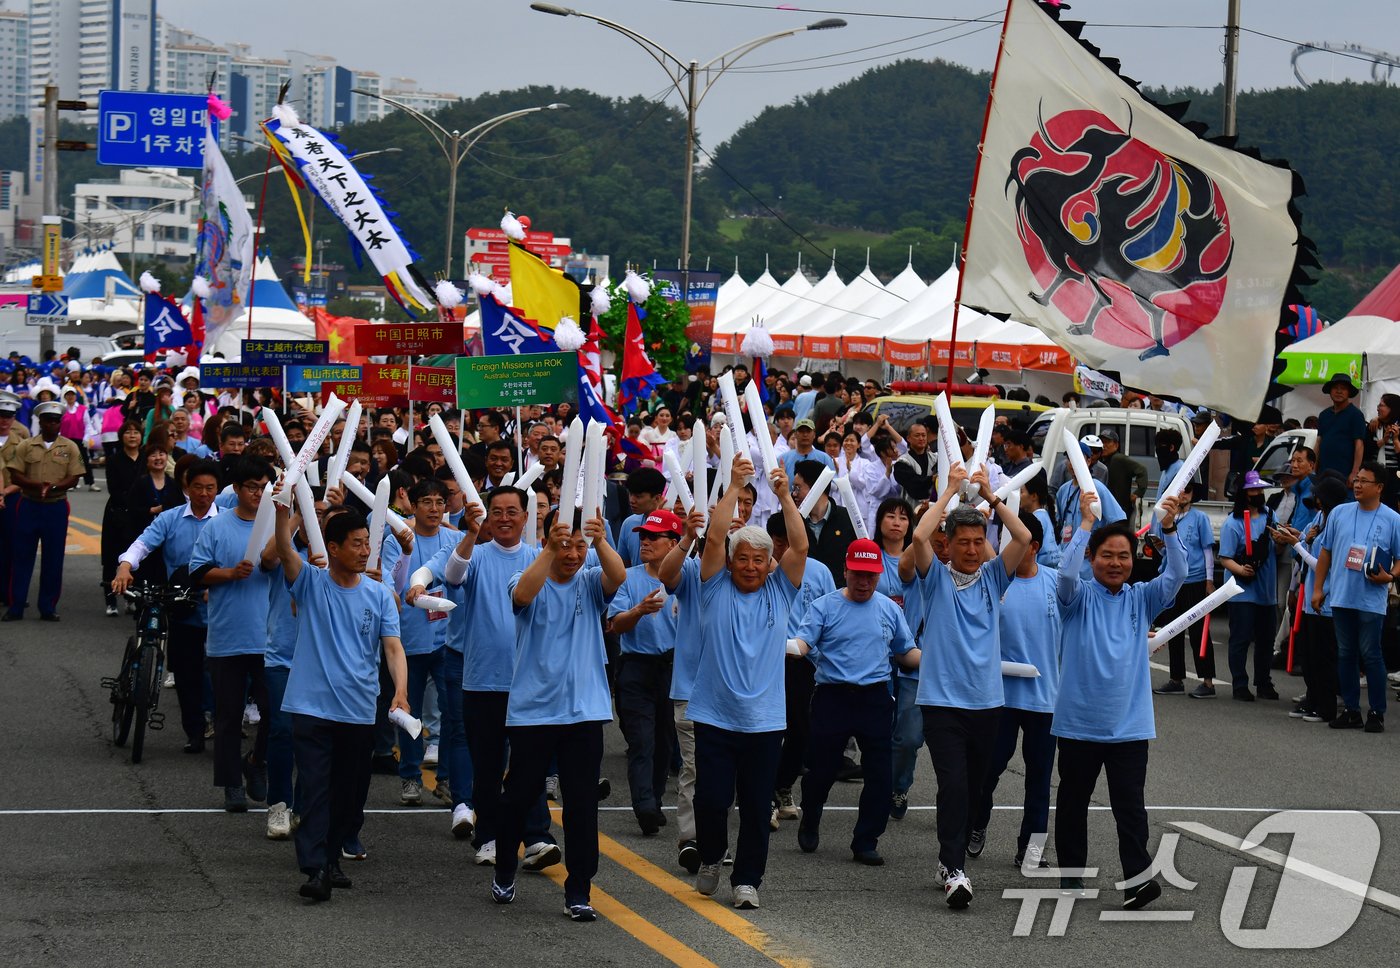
(467, 47)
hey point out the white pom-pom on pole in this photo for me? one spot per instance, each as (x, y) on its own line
(599, 302)
(758, 342)
(200, 287)
(149, 283)
(482, 285)
(511, 226)
(568, 337)
(286, 114)
(638, 289)
(448, 295)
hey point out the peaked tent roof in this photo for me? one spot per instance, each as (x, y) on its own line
(785, 319)
(267, 291)
(907, 284)
(905, 321)
(1383, 301)
(90, 279)
(863, 300)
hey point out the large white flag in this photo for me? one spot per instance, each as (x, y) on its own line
(1121, 234)
(225, 242)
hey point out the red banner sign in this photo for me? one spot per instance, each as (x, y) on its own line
(547, 251)
(407, 339)
(496, 235)
(434, 384)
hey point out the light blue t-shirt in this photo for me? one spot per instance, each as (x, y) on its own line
(1350, 527)
(560, 675)
(1105, 683)
(689, 641)
(488, 655)
(892, 588)
(1030, 632)
(281, 619)
(629, 543)
(791, 458)
(175, 532)
(1310, 574)
(803, 403)
(816, 582)
(335, 669)
(227, 499)
(739, 684)
(852, 643)
(1167, 477)
(238, 610)
(1197, 538)
(1049, 553)
(1258, 590)
(654, 634)
(961, 661)
(422, 633)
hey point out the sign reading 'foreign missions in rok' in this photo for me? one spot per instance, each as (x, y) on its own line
(515, 381)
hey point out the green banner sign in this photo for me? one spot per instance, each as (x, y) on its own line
(1309, 368)
(516, 381)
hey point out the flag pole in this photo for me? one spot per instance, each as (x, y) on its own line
(976, 174)
(257, 231)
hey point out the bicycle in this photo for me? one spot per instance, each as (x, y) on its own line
(135, 691)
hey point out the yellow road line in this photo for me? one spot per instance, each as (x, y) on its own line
(85, 523)
(668, 947)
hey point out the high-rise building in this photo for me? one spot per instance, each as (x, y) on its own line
(405, 91)
(187, 62)
(254, 83)
(89, 46)
(14, 64)
(329, 99)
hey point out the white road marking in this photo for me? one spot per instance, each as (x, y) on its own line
(1231, 842)
(439, 811)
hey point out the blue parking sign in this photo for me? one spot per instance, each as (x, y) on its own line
(137, 128)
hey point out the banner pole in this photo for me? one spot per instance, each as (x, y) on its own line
(971, 198)
(410, 403)
(519, 446)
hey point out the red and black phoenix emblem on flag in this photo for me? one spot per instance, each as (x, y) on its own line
(1132, 245)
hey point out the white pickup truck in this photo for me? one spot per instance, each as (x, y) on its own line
(1137, 430)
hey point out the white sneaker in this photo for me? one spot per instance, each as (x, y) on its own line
(410, 793)
(957, 890)
(251, 716)
(463, 821)
(540, 855)
(170, 680)
(486, 855)
(787, 809)
(1394, 678)
(745, 897)
(707, 879)
(279, 822)
(94, 486)
(940, 876)
(430, 755)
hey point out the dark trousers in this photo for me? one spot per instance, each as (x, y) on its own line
(235, 678)
(452, 745)
(421, 668)
(114, 542)
(960, 743)
(1190, 640)
(1255, 624)
(644, 712)
(8, 516)
(385, 733)
(36, 523)
(185, 659)
(578, 749)
(1319, 664)
(332, 780)
(729, 763)
(1126, 766)
(840, 712)
(799, 678)
(484, 717)
(1038, 754)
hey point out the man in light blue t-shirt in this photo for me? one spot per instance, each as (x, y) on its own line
(239, 601)
(559, 701)
(850, 637)
(344, 618)
(959, 606)
(737, 703)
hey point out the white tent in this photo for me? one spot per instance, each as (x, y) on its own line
(274, 316)
(99, 291)
(907, 284)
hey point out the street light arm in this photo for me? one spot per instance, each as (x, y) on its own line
(473, 135)
(674, 67)
(440, 134)
(715, 67)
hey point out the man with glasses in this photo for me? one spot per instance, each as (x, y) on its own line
(239, 596)
(1358, 560)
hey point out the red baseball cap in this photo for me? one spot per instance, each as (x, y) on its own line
(865, 555)
(662, 522)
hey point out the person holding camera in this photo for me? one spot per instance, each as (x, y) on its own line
(1385, 437)
(1246, 551)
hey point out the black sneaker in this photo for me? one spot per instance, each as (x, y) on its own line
(1144, 894)
(689, 857)
(1202, 691)
(236, 800)
(1170, 688)
(1298, 711)
(255, 780)
(1244, 695)
(1264, 692)
(1375, 722)
(808, 837)
(1313, 716)
(581, 912)
(976, 841)
(1347, 719)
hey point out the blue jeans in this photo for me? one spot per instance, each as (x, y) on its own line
(1038, 754)
(279, 739)
(454, 756)
(908, 732)
(420, 667)
(1359, 635)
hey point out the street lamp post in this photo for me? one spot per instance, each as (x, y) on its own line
(685, 77)
(455, 145)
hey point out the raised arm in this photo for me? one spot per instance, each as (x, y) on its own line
(1012, 554)
(1168, 583)
(614, 571)
(533, 578)
(286, 549)
(794, 561)
(712, 561)
(918, 557)
(669, 571)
